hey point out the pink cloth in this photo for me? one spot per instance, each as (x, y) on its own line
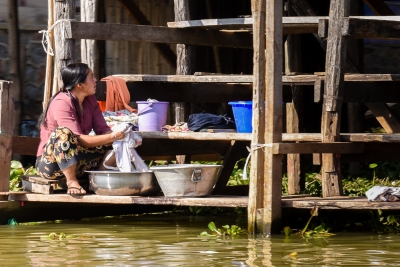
(62, 112)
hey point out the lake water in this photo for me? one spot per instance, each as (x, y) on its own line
(173, 240)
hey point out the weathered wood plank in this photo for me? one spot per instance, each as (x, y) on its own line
(23, 145)
(183, 67)
(333, 96)
(6, 129)
(310, 148)
(32, 187)
(15, 65)
(273, 117)
(214, 201)
(89, 48)
(360, 203)
(354, 203)
(156, 34)
(305, 79)
(294, 109)
(291, 25)
(371, 28)
(64, 48)
(256, 190)
(386, 119)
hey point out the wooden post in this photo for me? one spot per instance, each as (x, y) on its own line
(63, 9)
(256, 187)
(294, 109)
(273, 117)
(6, 128)
(15, 67)
(183, 66)
(49, 58)
(89, 52)
(332, 105)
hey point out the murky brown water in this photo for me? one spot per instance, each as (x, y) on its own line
(166, 240)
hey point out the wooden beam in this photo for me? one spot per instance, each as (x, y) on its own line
(310, 148)
(273, 117)
(371, 28)
(63, 9)
(212, 201)
(236, 150)
(386, 119)
(155, 34)
(379, 7)
(89, 48)
(294, 109)
(15, 68)
(291, 25)
(334, 81)
(141, 19)
(6, 128)
(256, 188)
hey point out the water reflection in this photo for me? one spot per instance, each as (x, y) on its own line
(161, 240)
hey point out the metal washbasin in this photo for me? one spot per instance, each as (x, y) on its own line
(115, 183)
(187, 180)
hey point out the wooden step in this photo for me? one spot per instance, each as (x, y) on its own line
(37, 184)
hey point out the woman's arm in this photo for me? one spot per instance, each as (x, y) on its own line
(98, 140)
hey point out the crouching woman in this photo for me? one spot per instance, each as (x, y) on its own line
(66, 149)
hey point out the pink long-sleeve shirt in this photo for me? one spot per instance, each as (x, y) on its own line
(62, 112)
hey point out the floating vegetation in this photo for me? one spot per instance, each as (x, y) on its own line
(319, 231)
(12, 221)
(62, 236)
(226, 230)
(16, 173)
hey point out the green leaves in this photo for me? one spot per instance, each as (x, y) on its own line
(232, 231)
(16, 172)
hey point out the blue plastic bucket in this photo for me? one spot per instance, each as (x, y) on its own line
(243, 114)
(152, 115)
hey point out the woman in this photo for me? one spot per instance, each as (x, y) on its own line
(66, 149)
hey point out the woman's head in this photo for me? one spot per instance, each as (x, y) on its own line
(73, 74)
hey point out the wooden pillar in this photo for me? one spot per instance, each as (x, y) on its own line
(183, 53)
(49, 58)
(6, 128)
(296, 181)
(264, 210)
(89, 51)
(333, 97)
(273, 117)
(15, 67)
(256, 187)
(63, 9)
(355, 117)
(183, 67)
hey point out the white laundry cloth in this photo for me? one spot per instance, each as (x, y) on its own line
(125, 152)
(383, 193)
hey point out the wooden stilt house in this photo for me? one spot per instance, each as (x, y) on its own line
(271, 32)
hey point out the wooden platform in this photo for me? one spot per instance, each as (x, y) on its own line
(355, 203)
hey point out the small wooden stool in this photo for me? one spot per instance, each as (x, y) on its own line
(37, 184)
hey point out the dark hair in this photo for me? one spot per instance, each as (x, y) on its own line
(74, 74)
(71, 75)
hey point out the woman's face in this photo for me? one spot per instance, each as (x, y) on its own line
(89, 86)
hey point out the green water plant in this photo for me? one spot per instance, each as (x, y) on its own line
(227, 230)
(16, 173)
(12, 222)
(320, 230)
(62, 236)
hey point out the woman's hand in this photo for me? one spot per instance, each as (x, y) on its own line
(118, 135)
